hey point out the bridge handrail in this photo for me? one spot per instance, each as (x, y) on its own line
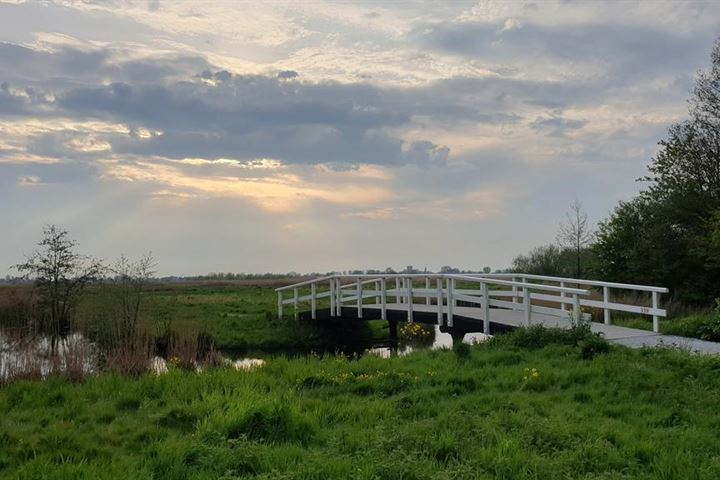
(577, 281)
(305, 282)
(529, 286)
(470, 277)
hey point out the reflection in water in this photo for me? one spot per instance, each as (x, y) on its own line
(441, 340)
(33, 359)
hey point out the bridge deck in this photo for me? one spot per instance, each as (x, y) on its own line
(471, 320)
(515, 318)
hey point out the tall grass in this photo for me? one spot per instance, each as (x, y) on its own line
(474, 413)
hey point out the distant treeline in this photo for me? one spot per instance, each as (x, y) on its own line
(230, 276)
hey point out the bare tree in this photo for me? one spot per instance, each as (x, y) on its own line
(131, 278)
(575, 234)
(60, 275)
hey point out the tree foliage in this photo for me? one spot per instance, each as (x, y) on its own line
(670, 234)
(553, 261)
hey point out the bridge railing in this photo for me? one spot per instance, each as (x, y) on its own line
(441, 291)
(607, 304)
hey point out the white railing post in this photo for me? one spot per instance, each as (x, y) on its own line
(562, 296)
(383, 299)
(398, 298)
(450, 300)
(332, 297)
(528, 306)
(576, 309)
(359, 290)
(486, 308)
(376, 285)
(656, 319)
(454, 284)
(427, 293)
(313, 301)
(409, 300)
(295, 302)
(514, 291)
(280, 304)
(338, 292)
(606, 300)
(438, 284)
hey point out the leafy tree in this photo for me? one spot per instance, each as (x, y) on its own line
(543, 260)
(60, 275)
(668, 235)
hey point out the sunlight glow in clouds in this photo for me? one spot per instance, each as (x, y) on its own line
(461, 129)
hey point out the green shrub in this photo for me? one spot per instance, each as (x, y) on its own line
(710, 330)
(538, 336)
(593, 345)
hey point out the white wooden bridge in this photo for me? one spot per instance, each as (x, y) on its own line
(483, 302)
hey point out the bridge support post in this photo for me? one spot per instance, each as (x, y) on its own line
(398, 298)
(393, 331)
(383, 299)
(606, 299)
(359, 289)
(280, 304)
(457, 336)
(486, 308)
(313, 301)
(332, 297)
(409, 300)
(438, 284)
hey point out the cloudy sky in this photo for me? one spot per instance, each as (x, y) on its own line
(313, 136)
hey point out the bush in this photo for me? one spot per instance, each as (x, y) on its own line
(711, 329)
(537, 336)
(593, 345)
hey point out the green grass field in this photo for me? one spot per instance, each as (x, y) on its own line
(435, 414)
(239, 317)
(692, 325)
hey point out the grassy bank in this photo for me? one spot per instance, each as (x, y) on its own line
(237, 316)
(481, 412)
(703, 325)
